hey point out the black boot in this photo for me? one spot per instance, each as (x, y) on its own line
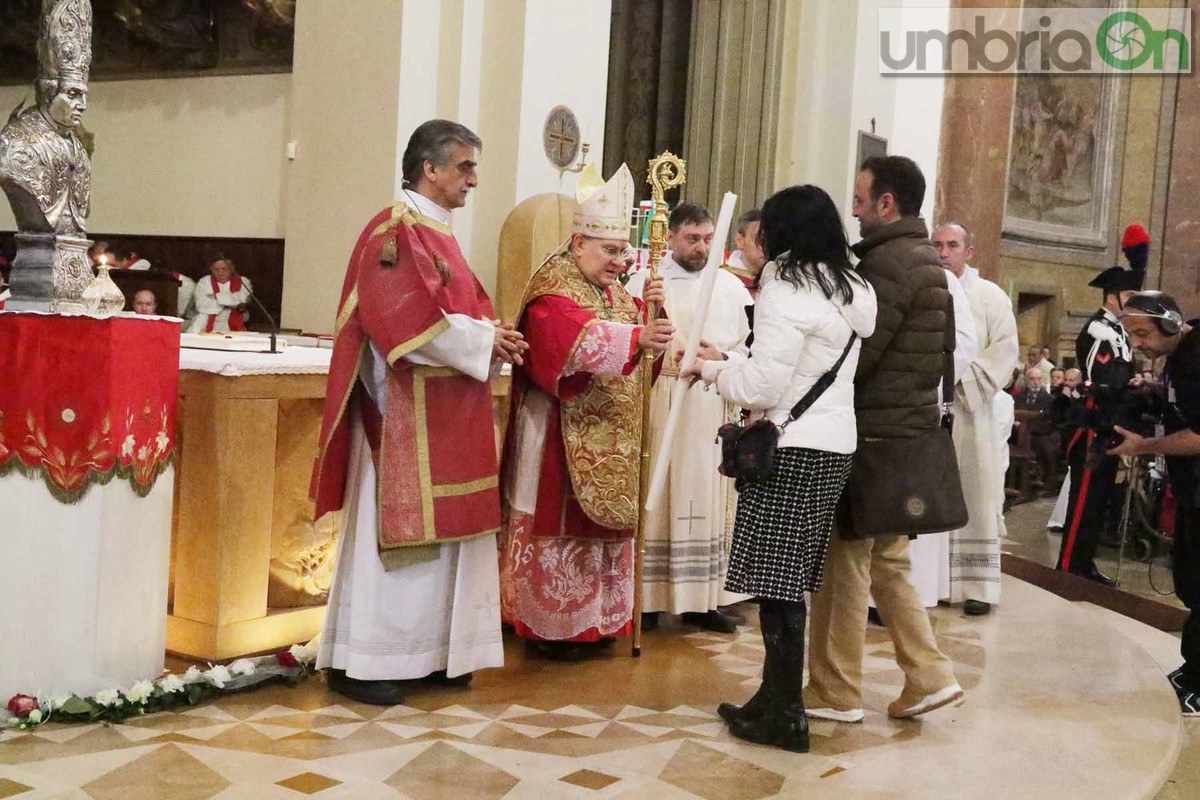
(769, 621)
(783, 724)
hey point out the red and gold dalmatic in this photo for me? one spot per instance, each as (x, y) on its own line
(571, 460)
(433, 444)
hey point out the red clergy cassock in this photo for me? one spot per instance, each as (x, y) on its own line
(433, 442)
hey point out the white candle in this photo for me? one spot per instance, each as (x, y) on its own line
(708, 282)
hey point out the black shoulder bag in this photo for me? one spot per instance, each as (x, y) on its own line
(748, 451)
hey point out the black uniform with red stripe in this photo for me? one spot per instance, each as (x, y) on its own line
(1106, 361)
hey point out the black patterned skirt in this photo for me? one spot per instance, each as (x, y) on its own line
(781, 532)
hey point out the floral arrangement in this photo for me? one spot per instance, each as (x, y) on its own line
(144, 697)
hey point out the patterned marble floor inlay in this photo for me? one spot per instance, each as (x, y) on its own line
(616, 727)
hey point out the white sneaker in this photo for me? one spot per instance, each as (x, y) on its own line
(942, 697)
(853, 715)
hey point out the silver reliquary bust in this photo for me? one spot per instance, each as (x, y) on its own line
(45, 170)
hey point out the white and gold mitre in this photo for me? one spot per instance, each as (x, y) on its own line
(65, 44)
(604, 208)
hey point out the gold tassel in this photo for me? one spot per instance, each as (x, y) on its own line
(388, 255)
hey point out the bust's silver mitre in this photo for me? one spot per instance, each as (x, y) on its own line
(45, 170)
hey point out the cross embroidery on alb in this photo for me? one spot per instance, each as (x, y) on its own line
(691, 518)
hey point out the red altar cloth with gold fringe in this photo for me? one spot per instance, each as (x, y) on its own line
(85, 400)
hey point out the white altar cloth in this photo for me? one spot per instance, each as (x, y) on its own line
(233, 364)
(103, 625)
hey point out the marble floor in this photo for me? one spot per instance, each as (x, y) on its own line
(1028, 538)
(1059, 705)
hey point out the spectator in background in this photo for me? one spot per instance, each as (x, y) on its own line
(1035, 359)
(1057, 378)
(1044, 440)
(220, 299)
(1071, 379)
(128, 258)
(145, 303)
(99, 253)
(1046, 355)
(748, 260)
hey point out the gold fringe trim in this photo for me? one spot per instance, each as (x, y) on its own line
(388, 254)
(72, 497)
(396, 556)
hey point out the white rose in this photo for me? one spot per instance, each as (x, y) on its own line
(35, 716)
(304, 653)
(218, 676)
(171, 684)
(193, 675)
(107, 697)
(140, 692)
(128, 445)
(243, 666)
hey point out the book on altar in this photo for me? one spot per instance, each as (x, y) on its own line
(238, 341)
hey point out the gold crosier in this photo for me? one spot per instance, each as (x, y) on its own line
(666, 172)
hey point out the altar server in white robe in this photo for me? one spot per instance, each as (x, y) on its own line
(688, 536)
(220, 299)
(928, 553)
(973, 567)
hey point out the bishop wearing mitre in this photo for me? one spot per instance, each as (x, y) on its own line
(571, 456)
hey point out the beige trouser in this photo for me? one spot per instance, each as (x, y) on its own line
(838, 628)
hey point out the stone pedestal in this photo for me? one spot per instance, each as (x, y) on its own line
(50, 273)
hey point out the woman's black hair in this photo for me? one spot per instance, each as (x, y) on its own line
(800, 229)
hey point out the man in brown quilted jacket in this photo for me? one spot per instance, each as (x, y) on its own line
(896, 397)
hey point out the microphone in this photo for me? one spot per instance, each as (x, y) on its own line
(261, 307)
(270, 319)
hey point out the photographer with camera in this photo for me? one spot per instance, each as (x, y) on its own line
(1156, 327)
(1105, 357)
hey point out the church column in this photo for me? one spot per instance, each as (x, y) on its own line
(976, 118)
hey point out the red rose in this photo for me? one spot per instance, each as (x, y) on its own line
(286, 659)
(21, 704)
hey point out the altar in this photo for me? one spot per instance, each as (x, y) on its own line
(87, 444)
(250, 566)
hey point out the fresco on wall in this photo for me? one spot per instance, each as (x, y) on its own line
(1060, 159)
(134, 39)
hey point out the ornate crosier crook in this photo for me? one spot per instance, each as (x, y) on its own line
(665, 172)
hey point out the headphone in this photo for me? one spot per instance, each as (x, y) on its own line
(1149, 305)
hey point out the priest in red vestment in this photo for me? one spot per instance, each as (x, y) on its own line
(407, 448)
(570, 473)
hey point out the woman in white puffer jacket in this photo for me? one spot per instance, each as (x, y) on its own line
(810, 305)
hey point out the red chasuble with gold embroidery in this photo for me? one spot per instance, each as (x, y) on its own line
(587, 479)
(433, 442)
